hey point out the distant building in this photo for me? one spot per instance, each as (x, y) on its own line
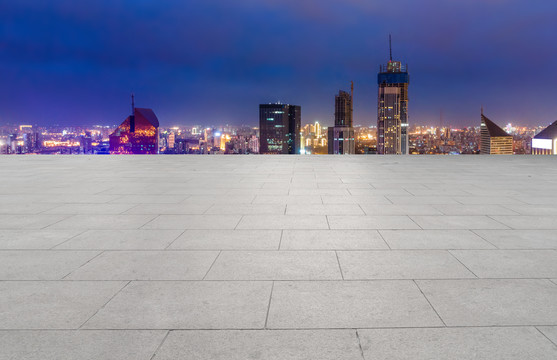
(545, 143)
(279, 127)
(341, 136)
(392, 108)
(494, 140)
(138, 134)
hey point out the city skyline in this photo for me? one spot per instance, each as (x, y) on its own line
(59, 58)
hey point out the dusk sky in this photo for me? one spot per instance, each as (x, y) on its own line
(212, 62)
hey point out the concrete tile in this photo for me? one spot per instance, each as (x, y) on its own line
(390, 209)
(121, 240)
(550, 332)
(287, 199)
(24, 208)
(457, 222)
(516, 343)
(186, 305)
(401, 264)
(28, 222)
(228, 240)
(202, 200)
(349, 304)
(149, 199)
(283, 222)
(529, 222)
(261, 344)
(79, 344)
(52, 304)
(147, 265)
(247, 209)
(421, 200)
(98, 209)
(487, 302)
(275, 265)
(524, 209)
(324, 209)
(509, 263)
(359, 199)
(520, 239)
(193, 222)
(371, 222)
(102, 222)
(34, 239)
(41, 264)
(489, 209)
(482, 200)
(331, 240)
(434, 239)
(167, 209)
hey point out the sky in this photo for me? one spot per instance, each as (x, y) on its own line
(211, 62)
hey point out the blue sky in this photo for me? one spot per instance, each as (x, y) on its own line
(212, 62)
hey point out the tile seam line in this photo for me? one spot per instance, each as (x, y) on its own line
(80, 232)
(212, 264)
(54, 223)
(82, 265)
(104, 305)
(429, 302)
(339, 267)
(541, 332)
(461, 263)
(160, 345)
(473, 231)
(360, 345)
(173, 241)
(269, 306)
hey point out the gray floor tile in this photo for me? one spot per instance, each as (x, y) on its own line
(41, 264)
(457, 222)
(485, 302)
(528, 222)
(489, 209)
(167, 209)
(520, 239)
(261, 344)
(247, 209)
(193, 222)
(275, 265)
(509, 263)
(283, 222)
(34, 239)
(390, 209)
(401, 264)
(98, 209)
(102, 222)
(434, 239)
(515, 343)
(28, 222)
(186, 305)
(79, 344)
(147, 265)
(332, 240)
(122, 240)
(371, 222)
(52, 304)
(228, 240)
(324, 209)
(349, 304)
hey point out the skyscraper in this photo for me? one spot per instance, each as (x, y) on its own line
(137, 134)
(494, 140)
(341, 136)
(545, 143)
(279, 126)
(392, 107)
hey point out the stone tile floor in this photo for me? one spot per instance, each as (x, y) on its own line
(278, 257)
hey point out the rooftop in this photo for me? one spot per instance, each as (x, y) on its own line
(278, 257)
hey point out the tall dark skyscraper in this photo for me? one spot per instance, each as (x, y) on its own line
(279, 127)
(341, 136)
(392, 107)
(494, 140)
(138, 134)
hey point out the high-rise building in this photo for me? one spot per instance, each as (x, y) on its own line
(341, 136)
(138, 134)
(493, 139)
(279, 127)
(392, 107)
(545, 143)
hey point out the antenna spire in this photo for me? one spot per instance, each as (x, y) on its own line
(390, 49)
(133, 105)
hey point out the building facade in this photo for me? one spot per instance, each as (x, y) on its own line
(279, 128)
(341, 136)
(493, 139)
(545, 143)
(138, 134)
(392, 109)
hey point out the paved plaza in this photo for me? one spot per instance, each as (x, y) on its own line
(278, 257)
